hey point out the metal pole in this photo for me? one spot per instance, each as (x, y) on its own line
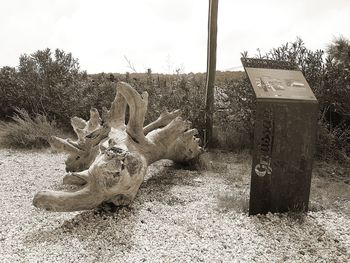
(211, 69)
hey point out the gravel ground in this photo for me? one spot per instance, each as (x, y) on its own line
(180, 215)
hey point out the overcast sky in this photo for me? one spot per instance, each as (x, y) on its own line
(163, 34)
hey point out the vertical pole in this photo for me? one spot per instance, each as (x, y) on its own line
(211, 69)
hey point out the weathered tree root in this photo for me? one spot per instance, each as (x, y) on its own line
(109, 158)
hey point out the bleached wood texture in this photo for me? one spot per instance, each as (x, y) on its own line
(110, 158)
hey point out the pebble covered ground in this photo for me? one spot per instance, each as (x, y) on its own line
(179, 215)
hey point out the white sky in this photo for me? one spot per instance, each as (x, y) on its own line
(163, 34)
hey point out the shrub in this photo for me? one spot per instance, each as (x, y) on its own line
(333, 143)
(329, 77)
(241, 100)
(45, 82)
(9, 90)
(26, 132)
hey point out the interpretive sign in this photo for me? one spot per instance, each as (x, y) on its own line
(284, 137)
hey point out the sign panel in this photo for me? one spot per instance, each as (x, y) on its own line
(279, 84)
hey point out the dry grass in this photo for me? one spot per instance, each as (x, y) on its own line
(26, 132)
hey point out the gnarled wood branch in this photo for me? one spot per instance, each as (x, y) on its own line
(110, 159)
(137, 109)
(164, 119)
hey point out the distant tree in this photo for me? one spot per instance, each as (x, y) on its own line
(10, 91)
(339, 51)
(337, 80)
(51, 82)
(44, 82)
(45, 69)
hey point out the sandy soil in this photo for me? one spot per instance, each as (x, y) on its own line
(180, 215)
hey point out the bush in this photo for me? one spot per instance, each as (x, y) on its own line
(329, 77)
(333, 143)
(45, 82)
(179, 92)
(9, 90)
(25, 132)
(241, 100)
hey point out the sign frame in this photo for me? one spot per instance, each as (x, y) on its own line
(284, 137)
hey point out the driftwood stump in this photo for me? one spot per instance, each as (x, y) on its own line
(110, 158)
